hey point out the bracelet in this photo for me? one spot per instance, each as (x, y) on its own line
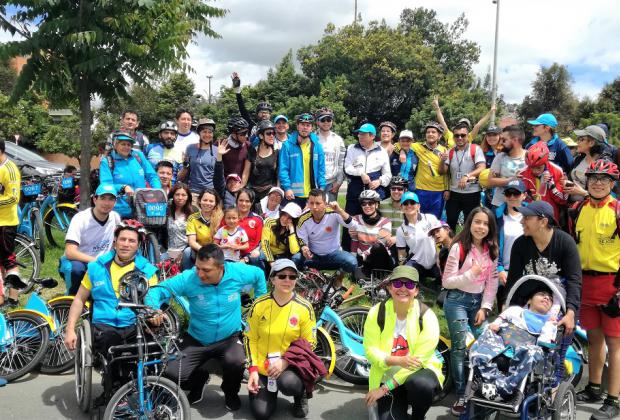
(389, 384)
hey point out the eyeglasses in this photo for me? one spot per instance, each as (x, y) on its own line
(397, 189)
(460, 136)
(270, 133)
(603, 179)
(584, 138)
(286, 276)
(405, 139)
(367, 203)
(512, 193)
(409, 284)
(242, 133)
(409, 203)
(326, 120)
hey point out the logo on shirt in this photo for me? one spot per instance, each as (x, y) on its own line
(98, 283)
(252, 224)
(400, 347)
(293, 321)
(263, 319)
(232, 297)
(328, 229)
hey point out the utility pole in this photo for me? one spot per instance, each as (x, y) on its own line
(355, 13)
(210, 77)
(494, 81)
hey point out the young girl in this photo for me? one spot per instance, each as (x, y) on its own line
(179, 211)
(443, 236)
(471, 279)
(231, 237)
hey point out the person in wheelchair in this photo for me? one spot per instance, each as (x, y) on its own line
(111, 326)
(506, 351)
(213, 288)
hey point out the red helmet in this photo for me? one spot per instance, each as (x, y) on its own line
(537, 155)
(131, 224)
(603, 167)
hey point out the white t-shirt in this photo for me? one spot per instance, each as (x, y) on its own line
(512, 230)
(91, 236)
(334, 150)
(462, 164)
(506, 167)
(322, 237)
(184, 140)
(237, 237)
(416, 238)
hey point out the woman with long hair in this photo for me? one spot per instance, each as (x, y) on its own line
(471, 279)
(491, 146)
(179, 210)
(202, 225)
(261, 165)
(252, 223)
(590, 147)
(279, 236)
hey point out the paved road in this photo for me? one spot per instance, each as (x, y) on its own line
(52, 397)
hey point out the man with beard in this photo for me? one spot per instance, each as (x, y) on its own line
(508, 164)
(164, 148)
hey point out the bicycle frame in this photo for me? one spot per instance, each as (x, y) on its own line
(50, 204)
(351, 341)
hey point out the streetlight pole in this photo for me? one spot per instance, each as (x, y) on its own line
(210, 77)
(494, 81)
(355, 13)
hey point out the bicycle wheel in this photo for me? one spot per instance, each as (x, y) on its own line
(149, 248)
(27, 259)
(37, 232)
(56, 227)
(347, 368)
(325, 350)
(26, 343)
(58, 358)
(163, 399)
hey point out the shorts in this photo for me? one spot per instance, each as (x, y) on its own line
(597, 290)
(7, 247)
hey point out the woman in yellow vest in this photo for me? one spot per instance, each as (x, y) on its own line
(401, 350)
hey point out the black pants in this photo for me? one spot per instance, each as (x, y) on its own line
(189, 367)
(378, 259)
(106, 336)
(458, 203)
(424, 273)
(263, 404)
(417, 391)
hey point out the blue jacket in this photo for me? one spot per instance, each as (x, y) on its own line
(500, 211)
(215, 310)
(406, 170)
(105, 302)
(559, 153)
(134, 171)
(291, 167)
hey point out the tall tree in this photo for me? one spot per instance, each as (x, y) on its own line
(79, 49)
(609, 98)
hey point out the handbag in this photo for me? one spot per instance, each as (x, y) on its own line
(612, 308)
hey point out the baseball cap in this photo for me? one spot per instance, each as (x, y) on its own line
(367, 128)
(280, 117)
(281, 264)
(545, 119)
(537, 208)
(515, 184)
(105, 189)
(569, 141)
(408, 134)
(275, 189)
(594, 131)
(404, 272)
(493, 129)
(233, 176)
(437, 225)
(409, 196)
(292, 210)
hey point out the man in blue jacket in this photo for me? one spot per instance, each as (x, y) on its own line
(301, 164)
(126, 170)
(543, 129)
(213, 289)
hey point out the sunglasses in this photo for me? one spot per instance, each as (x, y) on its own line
(286, 276)
(367, 203)
(326, 120)
(270, 133)
(242, 133)
(460, 136)
(409, 284)
(397, 189)
(409, 203)
(512, 193)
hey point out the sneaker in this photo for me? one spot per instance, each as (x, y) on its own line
(232, 401)
(299, 408)
(589, 396)
(458, 407)
(13, 280)
(608, 410)
(9, 304)
(196, 395)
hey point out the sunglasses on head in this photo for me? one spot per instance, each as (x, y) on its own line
(409, 284)
(460, 136)
(285, 276)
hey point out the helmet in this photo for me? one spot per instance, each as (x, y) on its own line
(263, 106)
(205, 122)
(264, 125)
(537, 155)
(237, 124)
(435, 125)
(603, 167)
(389, 124)
(131, 224)
(370, 195)
(324, 112)
(305, 117)
(121, 135)
(399, 181)
(168, 125)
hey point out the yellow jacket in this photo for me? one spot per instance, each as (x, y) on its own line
(270, 245)
(378, 344)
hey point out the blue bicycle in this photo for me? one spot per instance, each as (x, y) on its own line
(56, 216)
(30, 220)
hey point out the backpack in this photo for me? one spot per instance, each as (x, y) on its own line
(573, 215)
(381, 315)
(472, 153)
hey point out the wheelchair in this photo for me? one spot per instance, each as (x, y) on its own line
(537, 395)
(142, 361)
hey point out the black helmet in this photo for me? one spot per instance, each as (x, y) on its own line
(324, 112)
(398, 181)
(237, 124)
(264, 125)
(263, 106)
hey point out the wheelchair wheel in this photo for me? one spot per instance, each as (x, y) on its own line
(149, 248)
(163, 399)
(58, 358)
(564, 403)
(346, 367)
(84, 367)
(38, 233)
(25, 343)
(324, 349)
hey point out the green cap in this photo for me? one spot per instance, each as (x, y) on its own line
(404, 272)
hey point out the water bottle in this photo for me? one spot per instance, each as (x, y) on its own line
(373, 412)
(272, 384)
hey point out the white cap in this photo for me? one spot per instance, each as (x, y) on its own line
(278, 190)
(406, 133)
(292, 210)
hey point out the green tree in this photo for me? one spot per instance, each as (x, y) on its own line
(61, 138)
(26, 117)
(609, 98)
(79, 50)
(8, 76)
(611, 118)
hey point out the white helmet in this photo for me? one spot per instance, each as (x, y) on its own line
(370, 195)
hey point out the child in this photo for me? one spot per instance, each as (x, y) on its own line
(69, 187)
(516, 333)
(230, 237)
(443, 235)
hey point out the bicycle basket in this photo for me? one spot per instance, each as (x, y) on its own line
(151, 206)
(31, 189)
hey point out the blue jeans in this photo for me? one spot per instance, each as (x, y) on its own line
(460, 309)
(337, 260)
(188, 259)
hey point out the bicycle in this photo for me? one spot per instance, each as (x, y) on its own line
(56, 216)
(27, 260)
(30, 220)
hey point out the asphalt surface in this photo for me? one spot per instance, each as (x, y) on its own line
(38, 396)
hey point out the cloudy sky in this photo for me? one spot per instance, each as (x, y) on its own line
(579, 34)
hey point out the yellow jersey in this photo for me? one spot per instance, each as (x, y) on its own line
(305, 153)
(597, 236)
(428, 177)
(197, 225)
(116, 272)
(270, 245)
(10, 185)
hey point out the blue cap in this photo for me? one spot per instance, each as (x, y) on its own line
(409, 196)
(545, 119)
(367, 128)
(515, 184)
(280, 117)
(537, 208)
(105, 189)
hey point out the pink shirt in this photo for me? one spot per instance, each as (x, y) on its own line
(463, 278)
